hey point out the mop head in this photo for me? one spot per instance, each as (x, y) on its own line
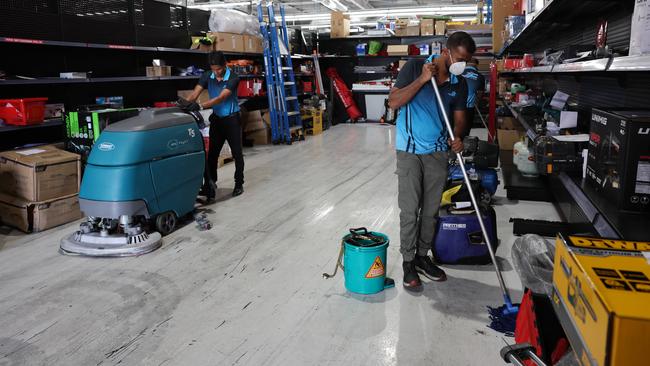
(504, 319)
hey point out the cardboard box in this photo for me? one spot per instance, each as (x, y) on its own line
(398, 50)
(196, 45)
(400, 31)
(618, 162)
(253, 44)
(501, 9)
(339, 25)
(266, 117)
(441, 27)
(413, 30)
(509, 123)
(153, 71)
(252, 121)
(203, 97)
(427, 27)
(228, 42)
(601, 292)
(38, 216)
(508, 138)
(259, 137)
(40, 173)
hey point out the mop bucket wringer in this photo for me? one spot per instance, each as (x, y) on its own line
(362, 258)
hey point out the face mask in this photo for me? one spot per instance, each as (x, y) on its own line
(456, 68)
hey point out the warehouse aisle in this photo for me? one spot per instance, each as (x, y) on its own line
(250, 291)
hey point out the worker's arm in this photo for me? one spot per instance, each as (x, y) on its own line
(195, 93)
(405, 87)
(459, 106)
(230, 88)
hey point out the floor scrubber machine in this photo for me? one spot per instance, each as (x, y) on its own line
(142, 175)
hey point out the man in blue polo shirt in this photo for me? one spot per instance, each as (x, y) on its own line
(422, 145)
(221, 83)
(475, 87)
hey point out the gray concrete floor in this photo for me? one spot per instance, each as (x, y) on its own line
(250, 291)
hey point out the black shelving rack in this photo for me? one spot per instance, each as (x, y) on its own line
(620, 82)
(114, 40)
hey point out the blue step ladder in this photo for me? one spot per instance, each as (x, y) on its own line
(284, 107)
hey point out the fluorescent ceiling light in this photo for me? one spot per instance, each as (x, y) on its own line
(223, 5)
(393, 12)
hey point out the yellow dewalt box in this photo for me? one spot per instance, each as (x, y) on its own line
(601, 294)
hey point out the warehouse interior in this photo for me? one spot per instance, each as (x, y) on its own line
(324, 182)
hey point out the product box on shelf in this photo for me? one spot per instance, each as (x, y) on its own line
(84, 127)
(618, 162)
(398, 50)
(198, 45)
(253, 44)
(39, 173)
(153, 71)
(38, 216)
(509, 137)
(427, 27)
(601, 289)
(228, 42)
(339, 25)
(441, 27)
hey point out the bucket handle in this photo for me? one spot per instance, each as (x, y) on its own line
(338, 261)
(359, 231)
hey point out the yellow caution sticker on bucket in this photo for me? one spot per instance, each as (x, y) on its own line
(377, 269)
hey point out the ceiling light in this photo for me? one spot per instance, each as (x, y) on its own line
(223, 5)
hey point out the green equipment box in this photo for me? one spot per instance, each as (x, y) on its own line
(84, 127)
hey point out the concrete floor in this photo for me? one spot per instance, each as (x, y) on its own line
(250, 291)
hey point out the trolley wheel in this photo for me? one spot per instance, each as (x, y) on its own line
(166, 223)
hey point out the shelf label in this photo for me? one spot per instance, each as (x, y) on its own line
(24, 40)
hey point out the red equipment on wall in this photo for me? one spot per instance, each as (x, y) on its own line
(344, 93)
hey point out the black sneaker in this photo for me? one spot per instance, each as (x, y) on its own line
(411, 279)
(237, 191)
(424, 265)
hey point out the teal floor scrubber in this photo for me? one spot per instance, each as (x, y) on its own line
(143, 173)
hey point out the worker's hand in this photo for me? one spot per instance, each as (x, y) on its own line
(428, 70)
(188, 106)
(456, 145)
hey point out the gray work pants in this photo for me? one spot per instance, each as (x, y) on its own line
(420, 180)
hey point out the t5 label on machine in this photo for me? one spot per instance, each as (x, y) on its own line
(377, 269)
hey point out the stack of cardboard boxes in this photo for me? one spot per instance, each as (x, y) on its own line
(256, 128)
(229, 42)
(39, 188)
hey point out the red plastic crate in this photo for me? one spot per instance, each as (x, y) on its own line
(22, 112)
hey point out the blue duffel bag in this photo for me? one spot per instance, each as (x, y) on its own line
(459, 239)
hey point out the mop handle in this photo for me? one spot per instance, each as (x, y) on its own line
(459, 157)
(483, 120)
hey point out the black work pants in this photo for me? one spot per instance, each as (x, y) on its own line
(224, 129)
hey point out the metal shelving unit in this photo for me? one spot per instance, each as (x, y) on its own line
(617, 64)
(95, 80)
(41, 42)
(605, 218)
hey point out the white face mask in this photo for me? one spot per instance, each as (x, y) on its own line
(457, 68)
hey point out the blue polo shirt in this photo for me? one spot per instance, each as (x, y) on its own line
(230, 81)
(475, 82)
(420, 124)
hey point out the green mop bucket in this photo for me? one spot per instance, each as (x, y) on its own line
(364, 261)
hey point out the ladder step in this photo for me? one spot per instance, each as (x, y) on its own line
(291, 98)
(289, 83)
(286, 68)
(294, 113)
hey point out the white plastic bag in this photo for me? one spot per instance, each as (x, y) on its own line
(233, 21)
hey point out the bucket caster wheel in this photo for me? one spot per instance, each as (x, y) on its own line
(485, 197)
(166, 223)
